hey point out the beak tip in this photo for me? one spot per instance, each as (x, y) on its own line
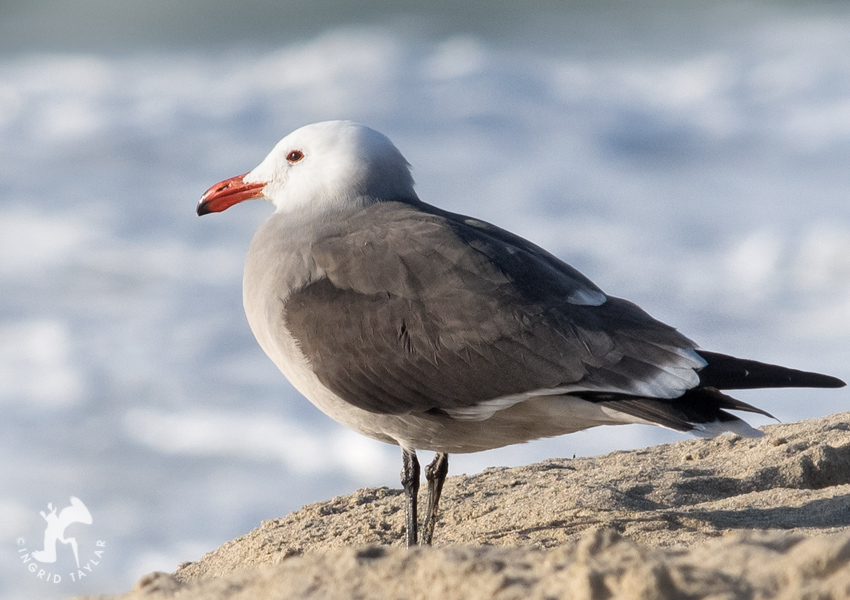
(203, 208)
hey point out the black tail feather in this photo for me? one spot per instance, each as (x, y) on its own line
(695, 407)
(721, 400)
(729, 373)
(702, 409)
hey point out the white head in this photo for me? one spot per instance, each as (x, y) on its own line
(324, 166)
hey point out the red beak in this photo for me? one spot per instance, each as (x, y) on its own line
(226, 193)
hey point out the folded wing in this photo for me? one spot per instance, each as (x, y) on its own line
(421, 310)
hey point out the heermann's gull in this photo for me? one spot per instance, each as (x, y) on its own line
(435, 331)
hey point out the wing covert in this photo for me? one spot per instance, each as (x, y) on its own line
(418, 311)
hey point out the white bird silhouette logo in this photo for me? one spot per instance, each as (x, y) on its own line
(56, 525)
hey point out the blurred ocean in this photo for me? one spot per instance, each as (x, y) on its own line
(692, 159)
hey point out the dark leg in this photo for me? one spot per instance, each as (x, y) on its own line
(436, 475)
(410, 483)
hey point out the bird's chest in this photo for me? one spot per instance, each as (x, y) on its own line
(271, 274)
(267, 287)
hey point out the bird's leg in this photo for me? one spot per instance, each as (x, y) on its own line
(410, 483)
(435, 474)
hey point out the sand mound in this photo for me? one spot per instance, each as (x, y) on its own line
(729, 517)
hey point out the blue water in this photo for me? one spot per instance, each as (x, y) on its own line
(691, 160)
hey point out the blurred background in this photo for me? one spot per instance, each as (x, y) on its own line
(692, 157)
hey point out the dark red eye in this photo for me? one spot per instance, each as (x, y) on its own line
(295, 156)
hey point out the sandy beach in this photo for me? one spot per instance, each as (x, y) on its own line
(723, 518)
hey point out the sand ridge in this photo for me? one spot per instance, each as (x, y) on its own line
(728, 517)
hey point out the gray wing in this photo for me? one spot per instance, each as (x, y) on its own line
(423, 310)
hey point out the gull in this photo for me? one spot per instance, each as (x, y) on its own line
(436, 331)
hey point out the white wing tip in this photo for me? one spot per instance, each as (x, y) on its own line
(587, 297)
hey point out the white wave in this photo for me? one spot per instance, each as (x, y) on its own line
(37, 366)
(302, 449)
